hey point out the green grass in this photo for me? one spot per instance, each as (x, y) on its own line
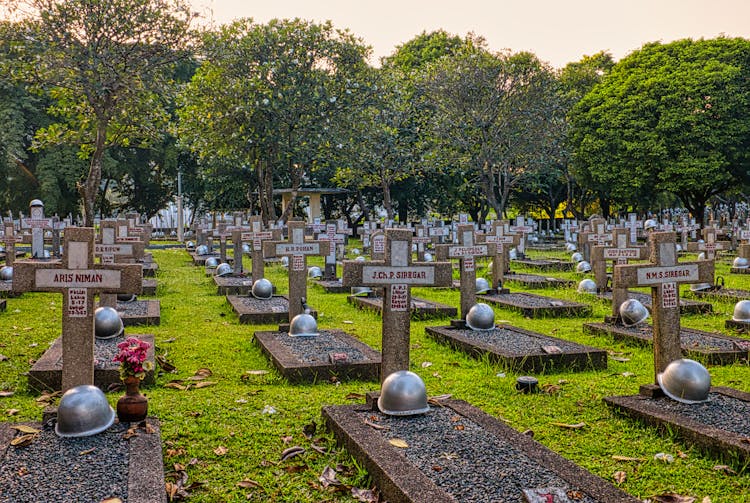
(198, 329)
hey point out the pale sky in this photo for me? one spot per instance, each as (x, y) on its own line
(557, 31)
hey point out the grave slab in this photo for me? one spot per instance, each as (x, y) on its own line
(233, 285)
(740, 270)
(537, 306)
(721, 293)
(537, 281)
(546, 264)
(720, 426)
(200, 260)
(113, 467)
(713, 348)
(254, 311)
(521, 350)
(139, 312)
(444, 463)
(149, 269)
(333, 286)
(149, 287)
(332, 353)
(421, 309)
(6, 289)
(741, 326)
(687, 306)
(46, 373)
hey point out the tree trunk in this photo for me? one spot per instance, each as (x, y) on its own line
(288, 211)
(90, 187)
(387, 200)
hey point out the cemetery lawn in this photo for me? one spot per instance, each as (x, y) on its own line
(229, 436)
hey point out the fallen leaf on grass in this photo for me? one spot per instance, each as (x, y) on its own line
(663, 456)
(575, 426)
(328, 477)
(673, 498)
(726, 469)
(397, 442)
(175, 385)
(354, 396)
(221, 450)
(25, 429)
(164, 364)
(12, 412)
(292, 452)
(309, 429)
(172, 339)
(436, 400)
(620, 359)
(551, 389)
(256, 372)
(620, 476)
(247, 484)
(426, 364)
(627, 458)
(4, 394)
(348, 322)
(204, 384)
(201, 373)
(132, 432)
(365, 495)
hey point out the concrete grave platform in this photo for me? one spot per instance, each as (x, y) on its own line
(536, 306)
(149, 287)
(687, 306)
(740, 326)
(55, 468)
(420, 308)
(149, 269)
(537, 281)
(521, 350)
(233, 285)
(139, 312)
(200, 260)
(713, 348)
(254, 311)
(456, 452)
(46, 373)
(333, 286)
(729, 294)
(720, 426)
(546, 264)
(738, 270)
(6, 289)
(333, 353)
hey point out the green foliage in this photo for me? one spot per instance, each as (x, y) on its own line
(669, 117)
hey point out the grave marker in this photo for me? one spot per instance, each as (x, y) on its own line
(663, 275)
(620, 253)
(38, 224)
(78, 279)
(9, 238)
(336, 241)
(256, 236)
(503, 241)
(396, 274)
(297, 249)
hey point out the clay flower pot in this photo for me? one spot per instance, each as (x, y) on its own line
(133, 406)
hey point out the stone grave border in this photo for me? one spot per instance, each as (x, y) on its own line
(568, 308)
(233, 285)
(589, 358)
(46, 373)
(712, 440)
(400, 481)
(332, 286)
(741, 326)
(687, 306)
(146, 482)
(430, 310)
(148, 287)
(537, 281)
(3, 305)
(260, 317)
(298, 372)
(712, 357)
(152, 316)
(726, 294)
(546, 264)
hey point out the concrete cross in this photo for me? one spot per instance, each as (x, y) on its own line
(663, 275)
(421, 239)
(255, 236)
(710, 245)
(109, 250)
(466, 251)
(38, 224)
(78, 279)
(596, 235)
(297, 249)
(503, 241)
(396, 274)
(522, 229)
(337, 242)
(620, 253)
(9, 238)
(222, 233)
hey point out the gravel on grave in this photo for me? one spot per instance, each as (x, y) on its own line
(720, 411)
(234, 280)
(55, 469)
(104, 351)
(318, 349)
(527, 300)
(275, 304)
(534, 278)
(516, 342)
(688, 339)
(133, 308)
(645, 298)
(463, 460)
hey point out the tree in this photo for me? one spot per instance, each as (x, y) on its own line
(268, 97)
(107, 66)
(669, 117)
